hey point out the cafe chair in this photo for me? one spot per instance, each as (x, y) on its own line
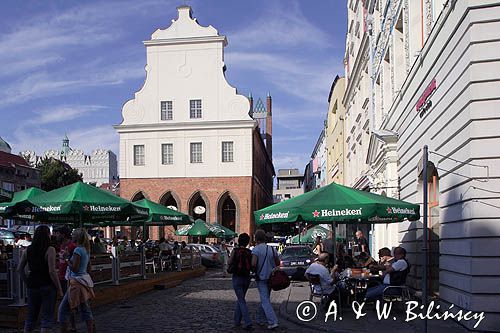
(396, 293)
(315, 280)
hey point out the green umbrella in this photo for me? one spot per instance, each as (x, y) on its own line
(310, 236)
(161, 215)
(202, 228)
(222, 231)
(79, 203)
(18, 197)
(198, 228)
(337, 203)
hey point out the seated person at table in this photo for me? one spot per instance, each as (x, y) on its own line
(164, 246)
(394, 274)
(364, 260)
(327, 282)
(385, 257)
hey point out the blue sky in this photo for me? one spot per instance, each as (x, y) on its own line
(69, 66)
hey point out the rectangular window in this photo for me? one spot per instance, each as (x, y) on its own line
(196, 152)
(139, 155)
(166, 110)
(227, 151)
(195, 108)
(167, 153)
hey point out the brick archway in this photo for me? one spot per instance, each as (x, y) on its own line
(228, 211)
(199, 198)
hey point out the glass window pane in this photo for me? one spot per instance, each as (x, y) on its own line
(227, 151)
(196, 152)
(166, 108)
(195, 108)
(139, 158)
(167, 153)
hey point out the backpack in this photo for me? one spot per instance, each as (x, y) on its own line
(242, 262)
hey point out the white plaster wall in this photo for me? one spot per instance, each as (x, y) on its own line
(185, 62)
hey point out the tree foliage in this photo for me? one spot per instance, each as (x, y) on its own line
(56, 174)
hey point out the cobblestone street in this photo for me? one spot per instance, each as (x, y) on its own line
(203, 304)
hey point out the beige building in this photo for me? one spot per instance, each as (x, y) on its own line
(426, 73)
(334, 132)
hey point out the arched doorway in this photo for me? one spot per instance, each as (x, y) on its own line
(228, 211)
(170, 200)
(135, 232)
(138, 196)
(199, 206)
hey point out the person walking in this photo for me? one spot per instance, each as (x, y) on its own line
(264, 260)
(240, 262)
(66, 248)
(42, 281)
(80, 289)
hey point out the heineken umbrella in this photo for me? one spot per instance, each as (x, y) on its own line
(198, 228)
(202, 228)
(18, 197)
(222, 231)
(337, 203)
(79, 203)
(310, 235)
(160, 215)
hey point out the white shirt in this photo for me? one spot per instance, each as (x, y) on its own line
(398, 266)
(325, 278)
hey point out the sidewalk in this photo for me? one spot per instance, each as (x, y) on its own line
(299, 292)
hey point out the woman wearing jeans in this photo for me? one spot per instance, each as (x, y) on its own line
(42, 281)
(241, 280)
(80, 284)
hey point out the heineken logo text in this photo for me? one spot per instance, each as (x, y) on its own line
(396, 210)
(49, 208)
(337, 212)
(269, 216)
(92, 208)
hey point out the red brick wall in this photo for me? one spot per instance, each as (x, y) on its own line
(213, 188)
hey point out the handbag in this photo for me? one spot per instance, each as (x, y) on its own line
(279, 279)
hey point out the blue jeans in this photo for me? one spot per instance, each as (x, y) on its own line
(240, 285)
(266, 310)
(64, 310)
(44, 299)
(375, 293)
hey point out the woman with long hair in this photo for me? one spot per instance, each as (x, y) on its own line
(318, 246)
(80, 289)
(42, 281)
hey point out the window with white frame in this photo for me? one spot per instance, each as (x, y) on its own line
(166, 110)
(196, 152)
(227, 151)
(167, 153)
(195, 108)
(139, 155)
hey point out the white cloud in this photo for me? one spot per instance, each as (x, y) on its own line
(306, 80)
(281, 25)
(63, 113)
(87, 139)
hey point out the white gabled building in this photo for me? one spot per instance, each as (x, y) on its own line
(187, 138)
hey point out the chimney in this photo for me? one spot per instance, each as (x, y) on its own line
(269, 126)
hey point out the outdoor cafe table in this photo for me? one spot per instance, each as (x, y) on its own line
(357, 283)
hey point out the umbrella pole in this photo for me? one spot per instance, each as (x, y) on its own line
(334, 241)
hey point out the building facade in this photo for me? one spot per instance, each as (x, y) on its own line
(289, 184)
(15, 174)
(100, 167)
(432, 79)
(335, 143)
(187, 139)
(315, 171)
